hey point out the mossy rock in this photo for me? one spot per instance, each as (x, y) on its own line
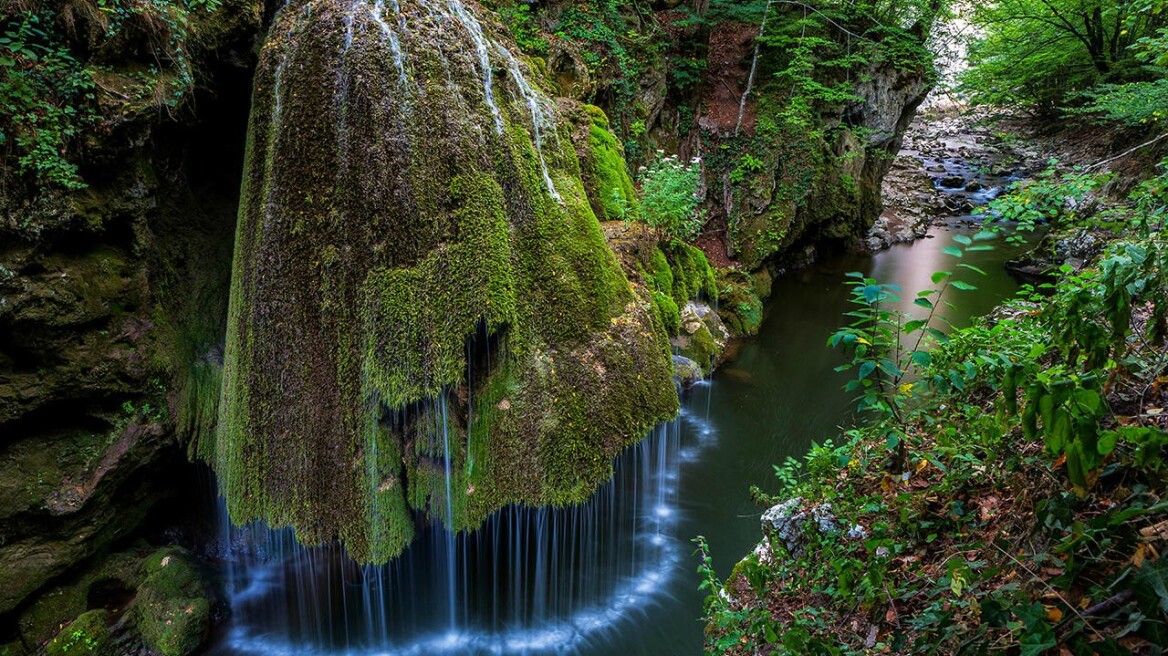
(699, 347)
(173, 611)
(58, 606)
(675, 274)
(88, 635)
(739, 304)
(702, 337)
(423, 235)
(602, 164)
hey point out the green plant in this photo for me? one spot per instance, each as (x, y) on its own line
(747, 164)
(670, 197)
(46, 93)
(889, 348)
(1051, 200)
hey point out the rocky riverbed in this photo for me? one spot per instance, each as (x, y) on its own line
(953, 160)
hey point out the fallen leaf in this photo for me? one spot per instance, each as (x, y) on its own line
(1137, 559)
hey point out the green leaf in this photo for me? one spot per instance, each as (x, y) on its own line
(1107, 442)
(962, 239)
(923, 302)
(964, 286)
(922, 358)
(940, 276)
(866, 369)
(952, 250)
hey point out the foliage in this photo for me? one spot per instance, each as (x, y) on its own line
(1029, 516)
(670, 195)
(1042, 53)
(47, 94)
(518, 18)
(1051, 200)
(1140, 102)
(888, 348)
(49, 62)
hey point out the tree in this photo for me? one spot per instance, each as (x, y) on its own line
(1042, 53)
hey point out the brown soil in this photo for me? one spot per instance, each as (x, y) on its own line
(731, 46)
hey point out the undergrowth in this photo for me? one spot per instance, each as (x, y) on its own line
(1007, 496)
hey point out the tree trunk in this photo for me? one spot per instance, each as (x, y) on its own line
(753, 67)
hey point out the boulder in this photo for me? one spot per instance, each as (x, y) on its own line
(685, 371)
(173, 606)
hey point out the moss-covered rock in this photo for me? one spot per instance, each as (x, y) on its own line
(88, 635)
(107, 583)
(606, 177)
(701, 336)
(173, 611)
(740, 304)
(420, 279)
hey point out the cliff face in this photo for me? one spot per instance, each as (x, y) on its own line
(795, 135)
(418, 283)
(113, 295)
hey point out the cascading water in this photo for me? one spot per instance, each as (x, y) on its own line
(531, 580)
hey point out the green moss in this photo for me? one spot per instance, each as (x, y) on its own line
(740, 306)
(668, 311)
(677, 273)
(88, 635)
(606, 177)
(172, 609)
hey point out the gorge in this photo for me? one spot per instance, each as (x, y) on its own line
(432, 326)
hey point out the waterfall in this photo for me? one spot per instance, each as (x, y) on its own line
(378, 186)
(530, 580)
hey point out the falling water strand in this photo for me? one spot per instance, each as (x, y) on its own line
(449, 535)
(482, 49)
(539, 119)
(376, 12)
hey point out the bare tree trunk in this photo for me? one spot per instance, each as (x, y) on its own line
(753, 67)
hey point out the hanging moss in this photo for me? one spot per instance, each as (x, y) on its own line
(606, 176)
(387, 230)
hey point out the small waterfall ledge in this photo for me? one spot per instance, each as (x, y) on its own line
(426, 323)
